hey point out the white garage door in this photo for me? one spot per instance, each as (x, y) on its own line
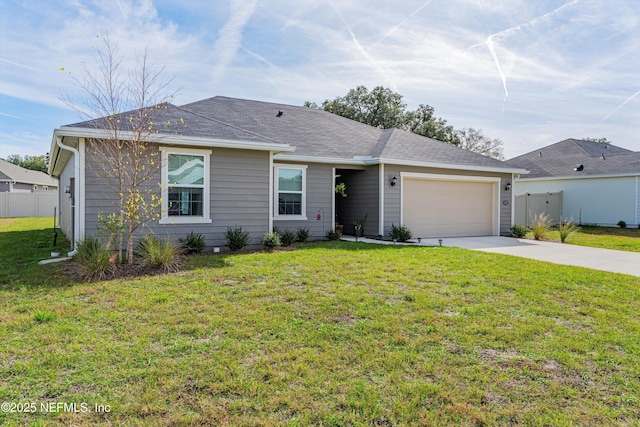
(438, 208)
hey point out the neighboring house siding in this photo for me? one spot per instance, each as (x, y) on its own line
(20, 187)
(362, 199)
(638, 200)
(393, 194)
(239, 197)
(319, 194)
(602, 201)
(64, 199)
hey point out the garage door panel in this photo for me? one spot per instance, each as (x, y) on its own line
(438, 208)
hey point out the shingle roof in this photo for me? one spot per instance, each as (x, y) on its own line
(11, 172)
(562, 158)
(313, 132)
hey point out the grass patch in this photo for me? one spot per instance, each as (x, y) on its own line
(23, 243)
(332, 334)
(621, 239)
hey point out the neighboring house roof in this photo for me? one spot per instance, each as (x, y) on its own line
(14, 173)
(314, 133)
(564, 158)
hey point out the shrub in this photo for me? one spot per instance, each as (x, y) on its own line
(236, 238)
(287, 237)
(302, 235)
(331, 234)
(96, 260)
(567, 227)
(193, 243)
(159, 253)
(519, 230)
(540, 226)
(401, 233)
(271, 240)
(43, 316)
(622, 224)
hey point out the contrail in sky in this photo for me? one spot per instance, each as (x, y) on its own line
(508, 32)
(369, 58)
(230, 36)
(122, 10)
(629, 99)
(399, 25)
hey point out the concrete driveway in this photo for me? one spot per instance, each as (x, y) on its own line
(558, 253)
(555, 252)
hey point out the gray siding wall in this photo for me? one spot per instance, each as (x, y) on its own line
(64, 199)
(392, 194)
(319, 199)
(239, 188)
(362, 200)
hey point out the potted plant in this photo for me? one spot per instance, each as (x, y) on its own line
(358, 227)
(340, 189)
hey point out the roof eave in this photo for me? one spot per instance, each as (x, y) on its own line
(474, 168)
(178, 140)
(568, 177)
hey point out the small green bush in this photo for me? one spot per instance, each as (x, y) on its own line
(287, 237)
(236, 238)
(159, 253)
(302, 234)
(43, 316)
(271, 240)
(540, 226)
(566, 228)
(193, 243)
(331, 234)
(400, 233)
(622, 224)
(519, 230)
(96, 260)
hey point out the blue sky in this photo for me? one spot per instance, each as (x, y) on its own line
(530, 73)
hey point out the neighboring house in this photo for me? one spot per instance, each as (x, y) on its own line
(16, 179)
(600, 183)
(261, 165)
(25, 192)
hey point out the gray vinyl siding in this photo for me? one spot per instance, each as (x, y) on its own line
(392, 194)
(362, 200)
(319, 194)
(64, 199)
(239, 196)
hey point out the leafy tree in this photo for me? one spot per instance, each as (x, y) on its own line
(473, 140)
(380, 108)
(36, 163)
(423, 122)
(126, 110)
(600, 140)
(385, 109)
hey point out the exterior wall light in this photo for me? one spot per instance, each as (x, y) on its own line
(507, 187)
(393, 181)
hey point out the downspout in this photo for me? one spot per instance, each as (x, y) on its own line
(76, 202)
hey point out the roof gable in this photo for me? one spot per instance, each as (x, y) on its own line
(563, 158)
(9, 171)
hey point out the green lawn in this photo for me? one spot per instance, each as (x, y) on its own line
(621, 239)
(331, 334)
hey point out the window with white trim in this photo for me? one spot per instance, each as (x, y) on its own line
(290, 183)
(185, 182)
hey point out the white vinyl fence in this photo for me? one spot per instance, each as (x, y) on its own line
(27, 204)
(528, 205)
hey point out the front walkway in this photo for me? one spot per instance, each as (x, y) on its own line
(555, 252)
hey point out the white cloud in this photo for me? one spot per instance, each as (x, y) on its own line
(564, 64)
